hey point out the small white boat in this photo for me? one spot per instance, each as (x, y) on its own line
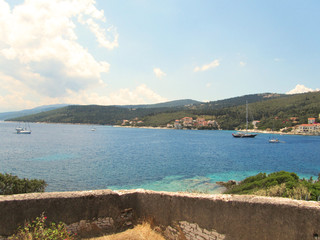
(25, 130)
(18, 129)
(274, 140)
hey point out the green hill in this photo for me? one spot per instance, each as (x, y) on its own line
(15, 114)
(276, 113)
(272, 110)
(175, 103)
(90, 114)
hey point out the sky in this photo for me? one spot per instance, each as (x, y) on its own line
(116, 52)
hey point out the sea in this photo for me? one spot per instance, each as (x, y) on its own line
(73, 157)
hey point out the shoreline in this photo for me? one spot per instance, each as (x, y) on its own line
(165, 128)
(249, 130)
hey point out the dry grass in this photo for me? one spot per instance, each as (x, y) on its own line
(140, 232)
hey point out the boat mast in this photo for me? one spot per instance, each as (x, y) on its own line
(246, 115)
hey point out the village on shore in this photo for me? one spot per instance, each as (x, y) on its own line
(310, 128)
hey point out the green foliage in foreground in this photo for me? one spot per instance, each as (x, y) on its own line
(278, 184)
(38, 230)
(10, 184)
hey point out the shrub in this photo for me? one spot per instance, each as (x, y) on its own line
(278, 184)
(39, 230)
(10, 184)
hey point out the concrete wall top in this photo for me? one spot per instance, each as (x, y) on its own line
(214, 197)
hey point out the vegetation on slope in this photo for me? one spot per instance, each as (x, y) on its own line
(90, 114)
(274, 113)
(278, 184)
(162, 119)
(272, 110)
(170, 104)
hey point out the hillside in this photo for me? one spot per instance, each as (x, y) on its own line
(252, 98)
(176, 103)
(16, 114)
(90, 114)
(93, 114)
(272, 110)
(274, 113)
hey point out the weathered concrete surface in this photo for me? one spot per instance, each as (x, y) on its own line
(223, 216)
(68, 207)
(235, 216)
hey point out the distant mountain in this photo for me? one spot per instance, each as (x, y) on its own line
(175, 103)
(15, 114)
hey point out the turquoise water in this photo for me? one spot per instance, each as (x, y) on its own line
(71, 157)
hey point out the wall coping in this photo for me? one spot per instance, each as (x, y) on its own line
(215, 197)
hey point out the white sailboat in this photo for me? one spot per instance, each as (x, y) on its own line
(245, 134)
(23, 130)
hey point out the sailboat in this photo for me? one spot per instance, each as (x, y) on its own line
(273, 140)
(25, 130)
(245, 134)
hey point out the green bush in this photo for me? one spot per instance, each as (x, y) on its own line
(279, 184)
(10, 184)
(39, 230)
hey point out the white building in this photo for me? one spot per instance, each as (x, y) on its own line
(309, 128)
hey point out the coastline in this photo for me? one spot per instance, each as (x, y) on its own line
(249, 130)
(165, 128)
(280, 133)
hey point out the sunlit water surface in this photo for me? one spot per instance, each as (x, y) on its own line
(72, 157)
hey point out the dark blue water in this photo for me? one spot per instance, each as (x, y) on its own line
(72, 157)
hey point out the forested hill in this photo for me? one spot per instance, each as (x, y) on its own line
(26, 112)
(236, 101)
(272, 110)
(91, 114)
(276, 113)
(176, 103)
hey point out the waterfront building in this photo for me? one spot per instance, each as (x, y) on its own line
(309, 128)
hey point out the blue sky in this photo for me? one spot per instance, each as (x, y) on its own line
(138, 51)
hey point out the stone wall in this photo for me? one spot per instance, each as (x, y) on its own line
(179, 215)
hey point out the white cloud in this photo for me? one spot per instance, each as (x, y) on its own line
(278, 59)
(140, 95)
(100, 33)
(208, 85)
(159, 73)
(301, 89)
(11, 95)
(39, 48)
(206, 67)
(15, 94)
(242, 64)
